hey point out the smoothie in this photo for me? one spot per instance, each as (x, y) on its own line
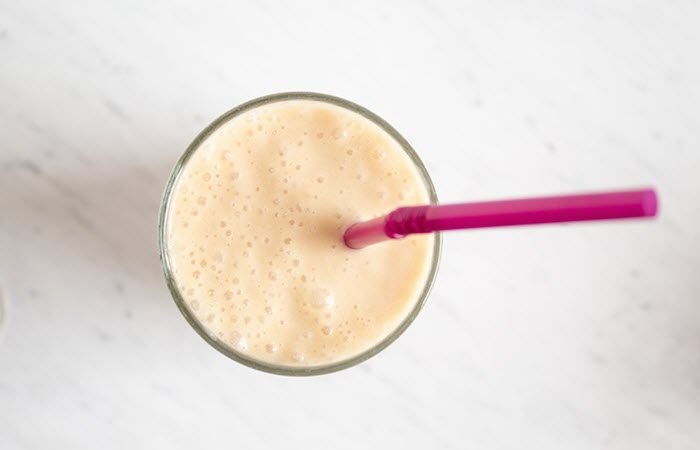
(254, 226)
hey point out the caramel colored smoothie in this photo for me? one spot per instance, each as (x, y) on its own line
(254, 231)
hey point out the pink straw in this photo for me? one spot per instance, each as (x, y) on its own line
(564, 208)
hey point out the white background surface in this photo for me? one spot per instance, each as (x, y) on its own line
(575, 337)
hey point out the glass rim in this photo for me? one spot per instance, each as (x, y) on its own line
(281, 369)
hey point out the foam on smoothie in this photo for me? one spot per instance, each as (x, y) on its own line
(255, 234)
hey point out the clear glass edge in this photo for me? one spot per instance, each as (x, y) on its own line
(165, 262)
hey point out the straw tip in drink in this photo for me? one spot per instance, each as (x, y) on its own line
(362, 234)
(347, 237)
(650, 203)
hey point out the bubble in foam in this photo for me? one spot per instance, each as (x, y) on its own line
(194, 304)
(327, 330)
(378, 154)
(322, 298)
(238, 341)
(272, 275)
(206, 176)
(298, 357)
(338, 133)
(271, 348)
